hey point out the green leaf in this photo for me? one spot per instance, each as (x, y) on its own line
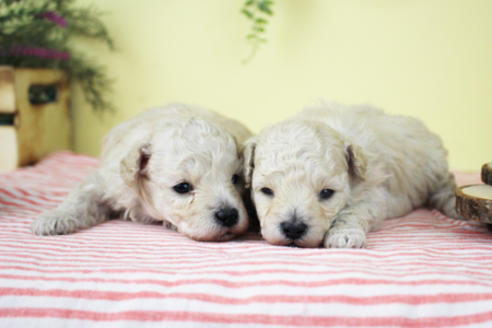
(261, 21)
(248, 13)
(249, 3)
(264, 7)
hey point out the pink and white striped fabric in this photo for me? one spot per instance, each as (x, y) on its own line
(423, 270)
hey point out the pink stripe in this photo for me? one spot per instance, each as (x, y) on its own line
(22, 191)
(73, 247)
(156, 267)
(64, 244)
(193, 264)
(94, 253)
(23, 205)
(192, 253)
(264, 282)
(190, 259)
(297, 321)
(8, 193)
(225, 264)
(28, 200)
(47, 198)
(471, 274)
(4, 202)
(32, 196)
(370, 300)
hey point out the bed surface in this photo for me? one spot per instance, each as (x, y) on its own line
(423, 270)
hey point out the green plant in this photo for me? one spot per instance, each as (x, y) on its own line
(258, 12)
(39, 33)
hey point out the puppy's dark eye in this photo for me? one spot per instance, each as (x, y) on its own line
(235, 179)
(267, 191)
(183, 188)
(326, 193)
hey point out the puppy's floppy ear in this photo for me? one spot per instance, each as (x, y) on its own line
(134, 166)
(356, 161)
(249, 160)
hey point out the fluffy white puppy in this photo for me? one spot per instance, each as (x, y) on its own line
(177, 164)
(332, 173)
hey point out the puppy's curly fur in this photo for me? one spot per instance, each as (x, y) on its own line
(332, 173)
(144, 158)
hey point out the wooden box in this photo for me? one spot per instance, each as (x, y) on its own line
(34, 115)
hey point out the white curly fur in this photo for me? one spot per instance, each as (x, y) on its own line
(380, 166)
(143, 158)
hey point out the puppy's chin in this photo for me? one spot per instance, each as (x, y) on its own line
(217, 233)
(304, 243)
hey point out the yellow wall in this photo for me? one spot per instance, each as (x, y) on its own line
(428, 58)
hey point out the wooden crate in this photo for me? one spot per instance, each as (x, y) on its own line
(34, 115)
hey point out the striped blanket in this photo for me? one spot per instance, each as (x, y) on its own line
(423, 270)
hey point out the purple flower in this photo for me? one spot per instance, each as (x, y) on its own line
(54, 17)
(39, 52)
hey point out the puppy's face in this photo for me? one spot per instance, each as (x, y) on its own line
(189, 174)
(300, 176)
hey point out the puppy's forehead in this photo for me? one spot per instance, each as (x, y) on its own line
(195, 146)
(298, 146)
(295, 141)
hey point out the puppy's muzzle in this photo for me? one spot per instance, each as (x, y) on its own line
(293, 229)
(227, 216)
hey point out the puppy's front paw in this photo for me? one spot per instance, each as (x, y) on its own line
(345, 238)
(54, 223)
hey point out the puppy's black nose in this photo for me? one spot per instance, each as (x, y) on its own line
(227, 216)
(293, 229)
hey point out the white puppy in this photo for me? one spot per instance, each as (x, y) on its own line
(331, 174)
(177, 164)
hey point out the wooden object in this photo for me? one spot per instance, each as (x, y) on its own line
(487, 173)
(475, 202)
(34, 115)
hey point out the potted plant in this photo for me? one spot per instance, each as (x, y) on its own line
(37, 61)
